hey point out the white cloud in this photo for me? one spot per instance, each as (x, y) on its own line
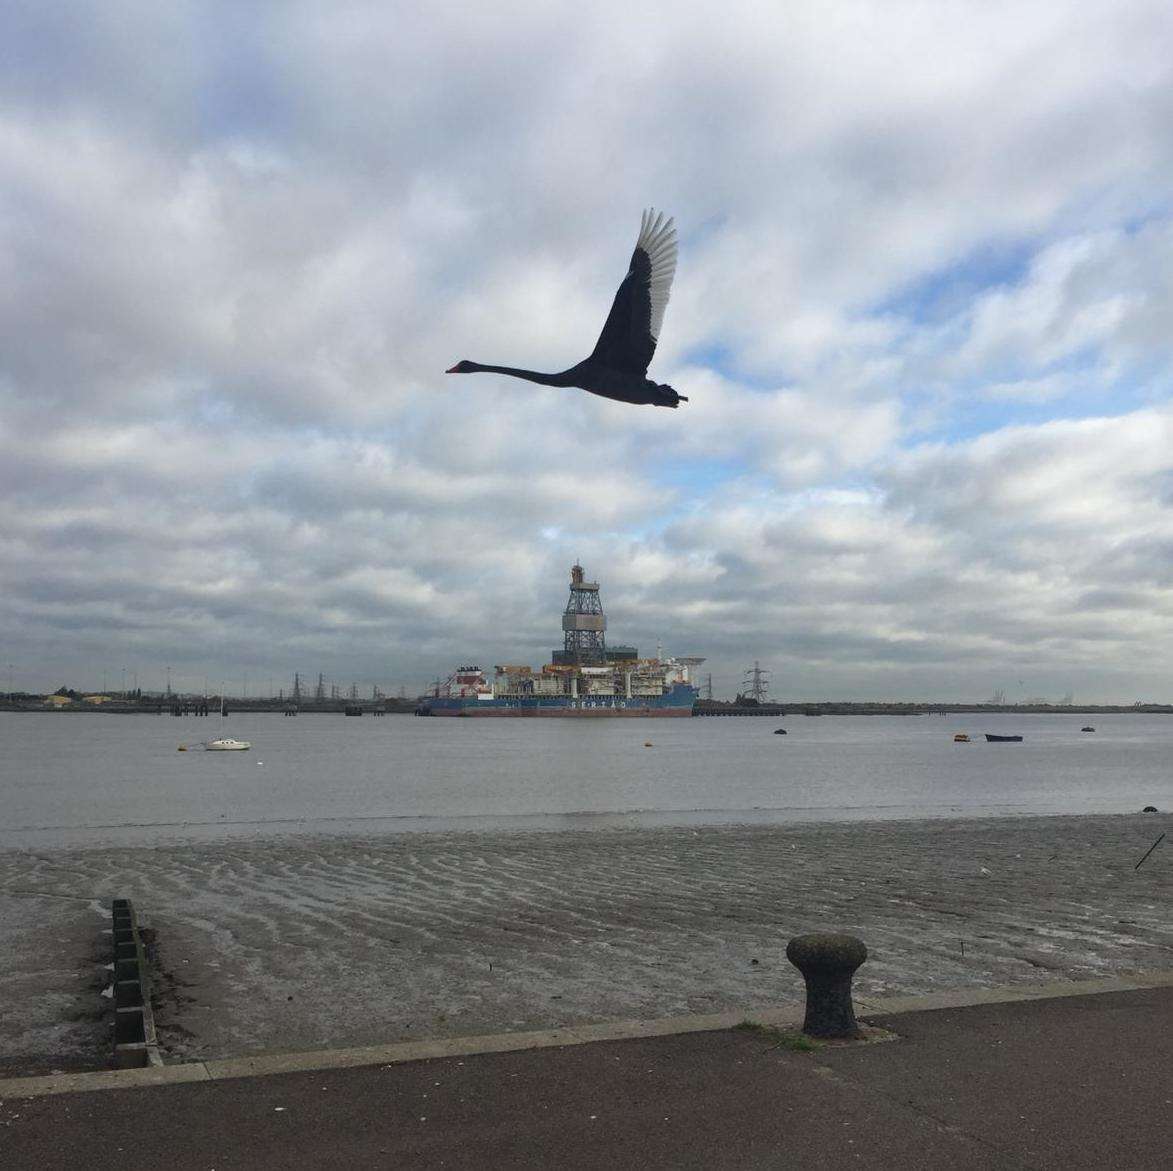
(239, 246)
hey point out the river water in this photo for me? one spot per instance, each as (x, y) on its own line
(80, 779)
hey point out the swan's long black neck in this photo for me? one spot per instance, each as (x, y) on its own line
(528, 375)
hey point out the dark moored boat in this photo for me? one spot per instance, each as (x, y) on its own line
(1001, 739)
(1088, 729)
(779, 731)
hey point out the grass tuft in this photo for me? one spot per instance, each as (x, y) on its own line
(781, 1038)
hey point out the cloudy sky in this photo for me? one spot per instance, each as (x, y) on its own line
(922, 312)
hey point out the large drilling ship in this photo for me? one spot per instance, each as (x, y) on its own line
(584, 678)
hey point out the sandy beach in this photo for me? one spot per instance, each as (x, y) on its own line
(305, 942)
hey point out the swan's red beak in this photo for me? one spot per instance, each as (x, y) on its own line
(452, 371)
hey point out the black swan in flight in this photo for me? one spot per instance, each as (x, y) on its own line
(617, 368)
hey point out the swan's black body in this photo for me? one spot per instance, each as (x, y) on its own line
(617, 368)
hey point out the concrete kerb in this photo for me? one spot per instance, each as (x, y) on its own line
(784, 1016)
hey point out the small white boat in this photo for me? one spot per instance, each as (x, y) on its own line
(227, 744)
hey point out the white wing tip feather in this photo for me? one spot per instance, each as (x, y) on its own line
(657, 238)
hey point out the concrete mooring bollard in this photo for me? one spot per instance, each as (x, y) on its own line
(827, 964)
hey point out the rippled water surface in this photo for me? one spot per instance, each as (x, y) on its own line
(82, 778)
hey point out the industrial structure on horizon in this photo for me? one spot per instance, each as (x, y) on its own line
(584, 678)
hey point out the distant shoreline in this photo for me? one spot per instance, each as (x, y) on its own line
(163, 707)
(708, 708)
(863, 708)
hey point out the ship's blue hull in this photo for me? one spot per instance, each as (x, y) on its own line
(677, 701)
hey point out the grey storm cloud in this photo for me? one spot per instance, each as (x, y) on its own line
(921, 313)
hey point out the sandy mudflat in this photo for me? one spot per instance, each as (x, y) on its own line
(302, 942)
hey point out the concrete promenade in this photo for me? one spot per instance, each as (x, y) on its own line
(1052, 1077)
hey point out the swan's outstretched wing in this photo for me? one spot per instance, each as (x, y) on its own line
(629, 336)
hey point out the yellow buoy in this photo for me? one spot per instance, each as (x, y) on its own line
(647, 744)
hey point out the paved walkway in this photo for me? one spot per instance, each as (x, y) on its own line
(1073, 1082)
